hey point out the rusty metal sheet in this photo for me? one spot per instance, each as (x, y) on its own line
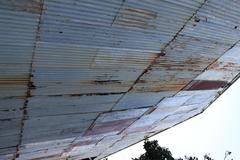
(12, 90)
(211, 24)
(50, 106)
(95, 141)
(182, 61)
(55, 127)
(18, 26)
(197, 98)
(114, 122)
(225, 68)
(109, 140)
(78, 71)
(18, 32)
(205, 85)
(31, 6)
(174, 101)
(47, 153)
(145, 123)
(232, 55)
(121, 115)
(86, 69)
(79, 150)
(39, 146)
(138, 100)
(123, 143)
(93, 150)
(103, 25)
(202, 97)
(110, 128)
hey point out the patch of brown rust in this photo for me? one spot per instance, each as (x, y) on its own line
(31, 6)
(136, 18)
(221, 66)
(105, 82)
(205, 85)
(13, 81)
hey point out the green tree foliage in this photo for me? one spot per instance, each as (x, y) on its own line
(155, 152)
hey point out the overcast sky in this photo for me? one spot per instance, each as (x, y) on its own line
(214, 131)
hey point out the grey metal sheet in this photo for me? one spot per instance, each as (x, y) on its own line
(138, 100)
(50, 106)
(74, 72)
(55, 127)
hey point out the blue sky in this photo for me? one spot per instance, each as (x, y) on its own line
(214, 131)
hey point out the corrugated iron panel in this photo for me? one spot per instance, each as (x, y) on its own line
(6, 153)
(120, 115)
(216, 21)
(85, 58)
(145, 123)
(43, 146)
(109, 128)
(123, 143)
(41, 154)
(56, 127)
(225, 68)
(114, 122)
(102, 145)
(103, 24)
(71, 69)
(18, 32)
(184, 60)
(137, 100)
(50, 106)
(79, 151)
(18, 26)
(205, 85)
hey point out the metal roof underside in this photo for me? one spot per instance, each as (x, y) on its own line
(87, 78)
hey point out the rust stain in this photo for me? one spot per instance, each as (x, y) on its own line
(81, 143)
(140, 129)
(220, 66)
(108, 127)
(136, 18)
(105, 82)
(13, 81)
(205, 85)
(31, 6)
(157, 86)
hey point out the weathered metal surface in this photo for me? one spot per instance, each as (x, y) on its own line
(85, 70)
(32, 6)
(51, 128)
(123, 143)
(100, 75)
(113, 127)
(115, 122)
(205, 85)
(50, 106)
(185, 59)
(137, 100)
(225, 68)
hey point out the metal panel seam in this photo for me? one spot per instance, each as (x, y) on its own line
(30, 83)
(162, 53)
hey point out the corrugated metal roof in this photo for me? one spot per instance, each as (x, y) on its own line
(82, 75)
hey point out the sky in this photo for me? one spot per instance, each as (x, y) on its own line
(214, 131)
